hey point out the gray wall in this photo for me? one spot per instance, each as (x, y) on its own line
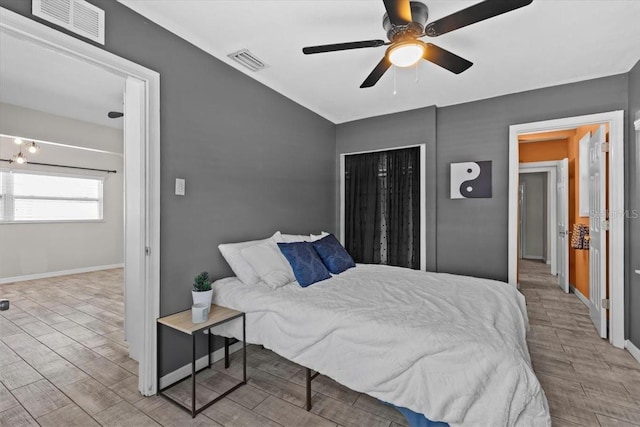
(28, 248)
(397, 130)
(480, 131)
(534, 230)
(254, 161)
(633, 221)
(476, 131)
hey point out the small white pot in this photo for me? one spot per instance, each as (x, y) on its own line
(203, 297)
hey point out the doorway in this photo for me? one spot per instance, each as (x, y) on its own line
(549, 171)
(142, 141)
(615, 188)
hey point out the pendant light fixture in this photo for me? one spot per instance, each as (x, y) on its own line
(32, 147)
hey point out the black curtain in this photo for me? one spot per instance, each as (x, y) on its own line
(382, 207)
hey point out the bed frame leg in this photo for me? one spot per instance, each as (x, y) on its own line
(308, 405)
(226, 352)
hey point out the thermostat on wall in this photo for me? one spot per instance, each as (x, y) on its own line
(180, 187)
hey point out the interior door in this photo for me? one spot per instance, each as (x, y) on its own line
(562, 206)
(135, 211)
(523, 219)
(597, 230)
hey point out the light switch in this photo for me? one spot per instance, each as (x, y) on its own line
(180, 186)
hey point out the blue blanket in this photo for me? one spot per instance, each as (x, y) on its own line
(418, 420)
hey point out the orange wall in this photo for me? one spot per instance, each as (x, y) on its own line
(543, 151)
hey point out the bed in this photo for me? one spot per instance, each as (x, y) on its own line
(450, 347)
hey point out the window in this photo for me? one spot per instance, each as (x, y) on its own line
(32, 196)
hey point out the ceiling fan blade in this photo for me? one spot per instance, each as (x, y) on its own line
(399, 11)
(342, 46)
(476, 13)
(445, 59)
(377, 72)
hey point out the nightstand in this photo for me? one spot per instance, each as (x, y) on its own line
(182, 322)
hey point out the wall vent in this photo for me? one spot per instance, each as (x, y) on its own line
(77, 16)
(248, 60)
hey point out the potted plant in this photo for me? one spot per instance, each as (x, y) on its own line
(202, 292)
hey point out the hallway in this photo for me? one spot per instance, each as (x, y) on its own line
(587, 381)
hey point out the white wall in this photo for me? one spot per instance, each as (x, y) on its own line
(36, 249)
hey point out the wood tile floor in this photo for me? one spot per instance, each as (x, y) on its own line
(587, 381)
(63, 362)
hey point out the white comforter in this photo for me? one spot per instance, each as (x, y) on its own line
(450, 347)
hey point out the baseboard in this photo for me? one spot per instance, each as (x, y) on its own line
(185, 370)
(581, 297)
(46, 275)
(631, 348)
(534, 257)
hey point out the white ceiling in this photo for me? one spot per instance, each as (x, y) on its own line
(547, 43)
(41, 79)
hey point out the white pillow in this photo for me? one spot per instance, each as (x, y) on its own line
(291, 238)
(241, 268)
(314, 237)
(269, 263)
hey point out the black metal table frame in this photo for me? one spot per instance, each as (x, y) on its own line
(193, 411)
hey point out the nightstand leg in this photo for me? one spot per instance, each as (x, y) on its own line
(158, 358)
(209, 347)
(308, 403)
(193, 377)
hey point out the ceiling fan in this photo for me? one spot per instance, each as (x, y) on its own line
(405, 22)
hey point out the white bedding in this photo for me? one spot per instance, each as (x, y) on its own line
(450, 347)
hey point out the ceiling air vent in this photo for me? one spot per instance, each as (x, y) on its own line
(77, 16)
(248, 59)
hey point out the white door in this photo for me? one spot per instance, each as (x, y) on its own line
(562, 207)
(522, 220)
(135, 211)
(597, 230)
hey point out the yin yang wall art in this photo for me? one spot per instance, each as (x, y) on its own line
(471, 180)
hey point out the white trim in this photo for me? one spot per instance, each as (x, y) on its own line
(34, 32)
(615, 119)
(633, 350)
(423, 195)
(580, 296)
(551, 168)
(48, 274)
(636, 124)
(185, 371)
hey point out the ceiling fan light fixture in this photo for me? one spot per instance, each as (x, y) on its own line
(406, 53)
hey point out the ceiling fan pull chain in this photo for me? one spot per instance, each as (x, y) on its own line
(417, 64)
(394, 80)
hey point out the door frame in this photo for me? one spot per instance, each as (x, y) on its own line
(423, 195)
(551, 169)
(615, 119)
(142, 254)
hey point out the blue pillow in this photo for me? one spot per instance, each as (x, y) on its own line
(334, 256)
(305, 262)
